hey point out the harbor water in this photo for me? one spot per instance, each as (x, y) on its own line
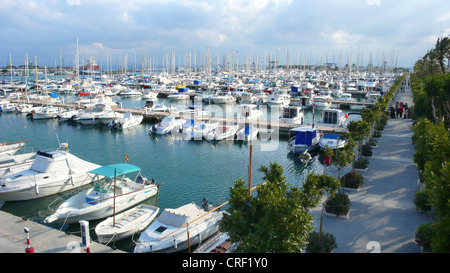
(189, 170)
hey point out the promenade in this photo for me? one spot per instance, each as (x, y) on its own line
(383, 217)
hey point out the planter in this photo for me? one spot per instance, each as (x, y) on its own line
(347, 216)
(338, 206)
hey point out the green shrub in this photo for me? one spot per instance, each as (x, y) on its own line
(321, 244)
(372, 142)
(361, 163)
(352, 180)
(338, 205)
(367, 150)
(421, 201)
(377, 134)
(424, 236)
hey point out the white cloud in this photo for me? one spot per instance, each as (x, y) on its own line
(73, 2)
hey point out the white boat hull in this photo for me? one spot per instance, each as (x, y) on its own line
(76, 209)
(125, 224)
(51, 186)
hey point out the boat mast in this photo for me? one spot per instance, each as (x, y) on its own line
(114, 200)
(250, 164)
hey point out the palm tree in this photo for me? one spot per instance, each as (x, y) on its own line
(442, 51)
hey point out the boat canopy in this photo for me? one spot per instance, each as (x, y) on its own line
(304, 135)
(331, 136)
(120, 169)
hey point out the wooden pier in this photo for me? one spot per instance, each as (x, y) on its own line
(155, 117)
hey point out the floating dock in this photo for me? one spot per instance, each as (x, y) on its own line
(152, 116)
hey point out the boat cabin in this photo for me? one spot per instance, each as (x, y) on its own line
(332, 117)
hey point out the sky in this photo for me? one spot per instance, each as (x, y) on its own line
(398, 32)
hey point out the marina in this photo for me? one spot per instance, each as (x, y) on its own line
(188, 171)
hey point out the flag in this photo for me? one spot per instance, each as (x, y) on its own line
(126, 158)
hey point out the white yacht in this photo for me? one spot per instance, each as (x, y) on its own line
(50, 173)
(128, 120)
(92, 117)
(113, 192)
(332, 117)
(292, 114)
(247, 112)
(47, 112)
(170, 231)
(223, 97)
(167, 125)
(279, 98)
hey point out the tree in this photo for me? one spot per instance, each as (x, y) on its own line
(442, 51)
(359, 130)
(276, 219)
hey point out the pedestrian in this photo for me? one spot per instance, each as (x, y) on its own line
(392, 111)
(401, 111)
(397, 111)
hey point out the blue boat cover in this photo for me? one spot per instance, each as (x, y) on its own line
(120, 168)
(331, 136)
(54, 95)
(305, 138)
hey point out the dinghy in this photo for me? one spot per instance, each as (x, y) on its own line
(125, 224)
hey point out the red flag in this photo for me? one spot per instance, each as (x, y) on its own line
(126, 158)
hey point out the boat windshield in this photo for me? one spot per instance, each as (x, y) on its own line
(103, 186)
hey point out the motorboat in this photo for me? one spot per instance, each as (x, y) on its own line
(50, 173)
(125, 224)
(149, 94)
(92, 116)
(222, 132)
(333, 141)
(24, 108)
(47, 112)
(332, 117)
(279, 98)
(130, 93)
(305, 138)
(167, 125)
(152, 106)
(248, 112)
(372, 97)
(181, 94)
(128, 120)
(109, 116)
(196, 130)
(292, 114)
(352, 117)
(322, 100)
(247, 133)
(112, 193)
(7, 150)
(69, 114)
(16, 163)
(223, 97)
(175, 229)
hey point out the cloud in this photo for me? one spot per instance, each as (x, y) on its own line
(73, 2)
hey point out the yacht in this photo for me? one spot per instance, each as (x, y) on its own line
(223, 97)
(333, 141)
(248, 112)
(93, 116)
(322, 100)
(50, 173)
(279, 98)
(292, 114)
(127, 120)
(332, 117)
(175, 229)
(167, 125)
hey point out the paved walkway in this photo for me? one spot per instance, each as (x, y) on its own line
(382, 213)
(43, 239)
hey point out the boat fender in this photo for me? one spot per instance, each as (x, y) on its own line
(36, 189)
(175, 245)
